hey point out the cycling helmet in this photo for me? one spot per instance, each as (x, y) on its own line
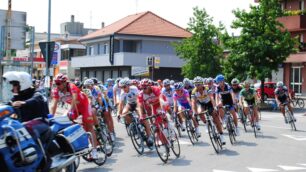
(186, 81)
(151, 83)
(247, 82)
(172, 82)
(22, 78)
(144, 83)
(124, 82)
(198, 80)
(166, 82)
(134, 82)
(95, 80)
(88, 82)
(61, 78)
(235, 81)
(219, 78)
(209, 80)
(280, 84)
(109, 81)
(78, 83)
(178, 86)
(117, 80)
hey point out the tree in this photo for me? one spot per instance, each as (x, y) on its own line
(262, 45)
(201, 51)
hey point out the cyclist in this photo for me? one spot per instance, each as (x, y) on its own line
(203, 99)
(172, 82)
(69, 93)
(236, 89)
(249, 97)
(225, 96)
(128, 99)
(150, 101)
(282, 96)
(188, 85)
(182, 101)
(168, 92)
(116, 92)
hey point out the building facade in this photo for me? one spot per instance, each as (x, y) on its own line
(116, 50)
(295, 65)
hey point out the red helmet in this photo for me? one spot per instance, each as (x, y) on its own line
(144, 83)
(61, 78)
(135, 82)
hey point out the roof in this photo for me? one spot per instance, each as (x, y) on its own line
(296, 58)
(146, 24)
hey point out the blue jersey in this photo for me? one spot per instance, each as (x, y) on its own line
(110, 92)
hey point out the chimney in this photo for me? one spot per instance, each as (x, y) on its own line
(102, 25)
(72, 18)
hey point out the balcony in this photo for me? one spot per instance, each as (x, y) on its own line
(125, 59)
(294, 23)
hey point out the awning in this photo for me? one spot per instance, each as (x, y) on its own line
(296, 58)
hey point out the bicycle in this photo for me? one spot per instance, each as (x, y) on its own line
(165, 137)
(177, 123)
(289, 117)
(297, 101)
(212, 132)
(230, 124)
(242, 117)
(137, 133)
(251, 116)
(189, 126)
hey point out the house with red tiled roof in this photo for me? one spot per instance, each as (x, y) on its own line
(122, 48)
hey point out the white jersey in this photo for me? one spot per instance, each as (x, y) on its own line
(118, 91)
(131, 96)
(168, 94)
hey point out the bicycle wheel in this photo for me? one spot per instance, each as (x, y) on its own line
(300, 102)
(102, 156)
(161, 147)
(106, 140)
(231, 132)
(291, 121)
(190, 131)
(213, 138)
(175, 144)
(254, 129)
(136, 138)
(244, 122)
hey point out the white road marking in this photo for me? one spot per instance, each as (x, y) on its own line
(260, 169)
(291, 168)
(184, 141)
(294, 137)
(221, 171)
(301, 164)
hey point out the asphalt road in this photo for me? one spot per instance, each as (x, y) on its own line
(276, 149)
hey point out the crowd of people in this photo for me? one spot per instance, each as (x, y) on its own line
(146, 97)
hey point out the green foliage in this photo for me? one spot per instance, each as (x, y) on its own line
(262, 45)
(201, 52)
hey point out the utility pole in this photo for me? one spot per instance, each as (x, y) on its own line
(8, 30)
(32, 31)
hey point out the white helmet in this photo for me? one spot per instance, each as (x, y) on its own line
(88, 82)
(23, 78)
(124, 82)
(280, 84)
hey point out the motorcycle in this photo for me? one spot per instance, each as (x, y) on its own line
(20, 152)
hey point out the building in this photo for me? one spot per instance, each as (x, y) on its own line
(74, 28)
(295, 65)
(119, 49)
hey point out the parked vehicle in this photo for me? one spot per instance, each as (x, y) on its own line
(269, 88)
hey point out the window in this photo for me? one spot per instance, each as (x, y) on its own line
(65, 28)
(98, 48)
(296, 79)
(301, 37)
(91, 50)
(302, 5)
(105, 49)
(130, 46)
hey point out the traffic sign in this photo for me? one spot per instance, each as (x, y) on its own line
(43, 48)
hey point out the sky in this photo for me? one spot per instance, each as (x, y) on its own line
(93, 12)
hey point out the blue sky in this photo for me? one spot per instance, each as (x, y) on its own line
(93, 12)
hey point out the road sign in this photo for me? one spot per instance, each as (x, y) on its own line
(156, 62)
(43, 48)
(139, 71)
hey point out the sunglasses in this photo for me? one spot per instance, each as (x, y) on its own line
(14, 83)
(234, 85)
(123, 87)
(58, 83)
(197, 85)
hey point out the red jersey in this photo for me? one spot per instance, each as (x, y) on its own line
(67, 97)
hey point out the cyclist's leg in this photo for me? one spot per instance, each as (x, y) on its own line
(125, 110)
(201, 108)
(234, 115)
(88, 122)
(217, 121)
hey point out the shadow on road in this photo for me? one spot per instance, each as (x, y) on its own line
(244, 143)
(96, 169)
(118, 145)
(228, 152)
(181, 161)
(267, 137)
